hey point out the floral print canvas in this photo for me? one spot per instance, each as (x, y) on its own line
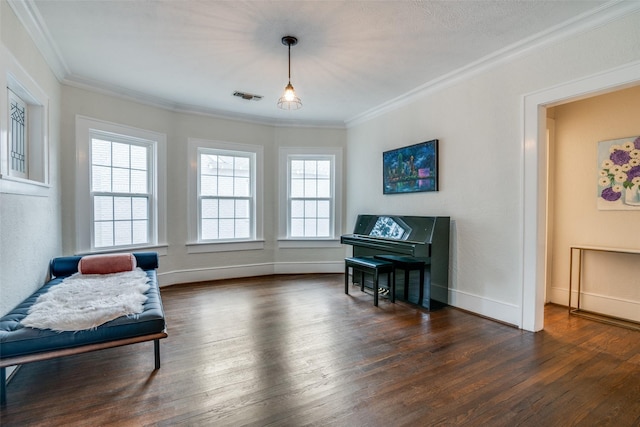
(619, 174)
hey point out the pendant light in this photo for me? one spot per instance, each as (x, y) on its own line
(289, 101)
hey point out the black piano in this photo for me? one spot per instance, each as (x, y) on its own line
(422, 237)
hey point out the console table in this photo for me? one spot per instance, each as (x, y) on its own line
(577, 311)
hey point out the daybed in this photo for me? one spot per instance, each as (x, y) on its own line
(20, 344)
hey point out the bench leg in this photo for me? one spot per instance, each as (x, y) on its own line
(375, 288)
(3, 386)
(391, 277)
(346, 279)
(421, 292)
(406, 284)
(156, 352)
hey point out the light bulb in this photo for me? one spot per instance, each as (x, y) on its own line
(289, 93)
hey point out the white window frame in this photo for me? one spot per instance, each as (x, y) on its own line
(86, 129)
(286, 155)
(256, 152)
(35, 182)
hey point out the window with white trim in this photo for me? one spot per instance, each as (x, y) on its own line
(310, 196)
(120, 191)
(225, 196)
(310, 191)
(17, 134)
(24, 153)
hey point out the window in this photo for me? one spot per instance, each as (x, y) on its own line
(310, 191)
(120, 190)
(120, 195)
(310, 197)
(225, 196)
(24, 153)
(225, 199)
(17, 136)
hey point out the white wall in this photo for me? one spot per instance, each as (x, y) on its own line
(29, 225)
(611, 282)
(478, 121)
(178, 266)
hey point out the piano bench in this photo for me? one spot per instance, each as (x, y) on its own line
(374, 267)
(408, 264)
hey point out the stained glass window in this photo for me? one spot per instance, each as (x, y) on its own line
(18, 142)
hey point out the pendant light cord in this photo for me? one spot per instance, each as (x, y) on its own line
(289, 62)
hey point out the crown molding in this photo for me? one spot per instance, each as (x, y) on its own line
(30, 18)
(606, 13)
(157, 102)
(28, 14)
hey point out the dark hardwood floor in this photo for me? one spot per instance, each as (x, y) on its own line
(296, 351)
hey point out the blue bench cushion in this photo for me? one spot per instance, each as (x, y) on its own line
(66, 266)
(372, 263)
(404, 260)
(18, 340)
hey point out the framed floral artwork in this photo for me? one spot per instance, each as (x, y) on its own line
(619, 174)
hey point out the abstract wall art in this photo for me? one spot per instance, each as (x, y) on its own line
(411, 169)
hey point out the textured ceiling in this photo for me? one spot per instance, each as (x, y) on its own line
(352, 56)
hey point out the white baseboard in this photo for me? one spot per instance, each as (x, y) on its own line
(560, 296)
(498, 310)
(307, 268)
(598, 303)
(248, 270)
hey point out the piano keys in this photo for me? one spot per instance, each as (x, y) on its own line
(423, 237)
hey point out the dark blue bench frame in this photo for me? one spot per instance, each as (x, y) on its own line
(374, 267)
(409, 264)
(20, 345)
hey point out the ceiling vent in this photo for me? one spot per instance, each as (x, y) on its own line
(247, 96)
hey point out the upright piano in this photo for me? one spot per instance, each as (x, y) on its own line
(423, 237)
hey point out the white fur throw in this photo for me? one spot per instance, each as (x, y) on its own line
(86, 301)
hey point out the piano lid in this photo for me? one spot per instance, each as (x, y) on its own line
(399, 228)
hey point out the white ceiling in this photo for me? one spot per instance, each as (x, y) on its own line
(352, 56)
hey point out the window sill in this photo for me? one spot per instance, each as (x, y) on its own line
(205, 247)
(309, 243)
(160, 249)
(25, 187)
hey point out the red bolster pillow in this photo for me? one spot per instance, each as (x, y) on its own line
(106, 264)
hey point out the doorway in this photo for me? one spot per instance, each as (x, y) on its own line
(535, 179)
(578, 215)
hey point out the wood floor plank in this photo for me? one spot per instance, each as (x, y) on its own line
(295, 350)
